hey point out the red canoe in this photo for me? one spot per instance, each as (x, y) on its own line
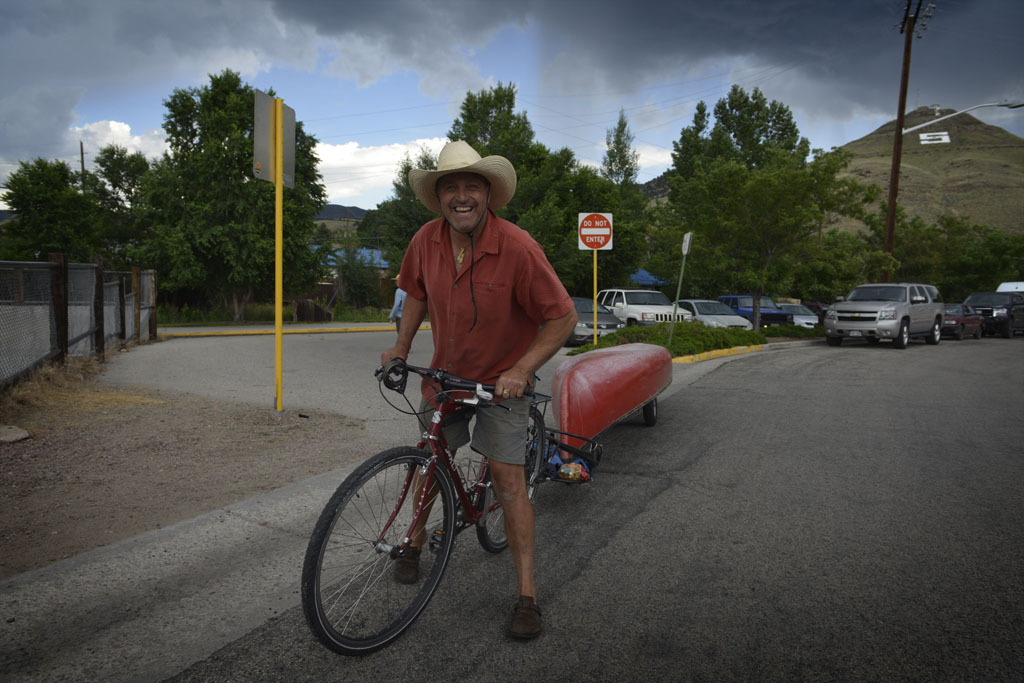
(596, 389)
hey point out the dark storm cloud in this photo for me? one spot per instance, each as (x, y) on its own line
(833, 57)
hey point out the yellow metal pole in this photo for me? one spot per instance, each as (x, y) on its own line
(278, 247)
(595, 296)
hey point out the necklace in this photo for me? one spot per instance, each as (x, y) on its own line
(461, 256)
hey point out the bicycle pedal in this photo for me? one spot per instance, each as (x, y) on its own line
(436, 538)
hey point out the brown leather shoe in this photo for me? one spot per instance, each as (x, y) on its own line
(525, 622)
(407, 567)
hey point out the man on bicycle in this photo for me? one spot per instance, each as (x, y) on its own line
(497, 313)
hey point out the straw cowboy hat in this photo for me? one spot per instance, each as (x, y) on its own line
(460, 157)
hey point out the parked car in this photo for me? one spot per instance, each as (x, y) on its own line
(714, 313)
(1003, 311)
(961, 320)
(1010, 287)
(743, 305)
(802, 315)
(640, 306)
(584, 331)
(886, 310)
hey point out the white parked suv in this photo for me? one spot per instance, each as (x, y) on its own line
(887, 310)
(641, 306)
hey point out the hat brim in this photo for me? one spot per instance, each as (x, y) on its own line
(498, 171)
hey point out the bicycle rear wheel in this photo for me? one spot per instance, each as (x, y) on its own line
(350, 597)
(490, 528)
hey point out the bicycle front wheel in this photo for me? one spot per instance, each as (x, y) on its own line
(351, 598)
(490, 528)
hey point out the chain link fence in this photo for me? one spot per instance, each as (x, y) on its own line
(51, 310)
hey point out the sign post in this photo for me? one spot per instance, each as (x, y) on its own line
(595, 233)
(273, 160)
(679, 286)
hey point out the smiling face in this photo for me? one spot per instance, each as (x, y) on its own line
(463, 198)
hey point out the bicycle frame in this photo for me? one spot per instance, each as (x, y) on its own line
(434, 436)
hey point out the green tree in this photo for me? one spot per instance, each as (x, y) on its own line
(212, 223)
(52, 213)
(120, 175)
(396, 220)
(750, 196)
(621, 162)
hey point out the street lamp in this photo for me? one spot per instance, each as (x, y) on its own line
(1008, 105)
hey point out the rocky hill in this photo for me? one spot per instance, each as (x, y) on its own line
(978, 173)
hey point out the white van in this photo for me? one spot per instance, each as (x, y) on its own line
(1011, 287)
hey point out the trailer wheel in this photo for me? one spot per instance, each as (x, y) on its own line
(651, 412)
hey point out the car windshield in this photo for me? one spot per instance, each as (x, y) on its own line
(647, 299)
(799, 309)
(713, 308)
(748, 302)
(878, 293)
(587, 306)
(954, 309)
(987, 299)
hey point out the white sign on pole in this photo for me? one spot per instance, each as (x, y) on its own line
(595, 231)
(686, 243)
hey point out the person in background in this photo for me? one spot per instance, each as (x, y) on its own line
(396, 311)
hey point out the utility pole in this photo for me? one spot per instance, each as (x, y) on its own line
(907, 29)
(81, 153)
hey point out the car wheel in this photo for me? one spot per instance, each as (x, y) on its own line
(900, 342)
(834, 341)
(630, 322)
(959, 334)
(935, 335)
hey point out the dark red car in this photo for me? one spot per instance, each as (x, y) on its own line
(961, 320)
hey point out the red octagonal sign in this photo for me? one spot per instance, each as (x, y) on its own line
(595, 231)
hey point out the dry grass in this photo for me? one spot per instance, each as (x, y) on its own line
(54, 386)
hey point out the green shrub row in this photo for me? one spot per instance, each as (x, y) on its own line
(687, 338)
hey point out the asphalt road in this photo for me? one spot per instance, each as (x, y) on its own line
(807, 513)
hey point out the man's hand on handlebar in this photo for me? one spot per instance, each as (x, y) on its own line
(511, 384)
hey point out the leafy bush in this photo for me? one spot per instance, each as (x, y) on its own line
(795, 331)
(687, 338)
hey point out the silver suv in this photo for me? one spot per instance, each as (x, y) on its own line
(887, 310)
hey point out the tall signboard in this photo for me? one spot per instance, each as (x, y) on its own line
(594, 232)
(273, 160)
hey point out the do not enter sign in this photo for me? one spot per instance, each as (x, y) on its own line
(595, 231)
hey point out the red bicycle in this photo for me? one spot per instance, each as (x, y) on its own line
(350, 598)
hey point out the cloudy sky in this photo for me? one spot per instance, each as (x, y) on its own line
(373, 80)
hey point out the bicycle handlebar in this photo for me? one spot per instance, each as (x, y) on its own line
(396, 373)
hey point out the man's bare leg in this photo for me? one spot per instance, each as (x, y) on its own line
(510, 487)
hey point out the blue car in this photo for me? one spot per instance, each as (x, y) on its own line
(771, 314)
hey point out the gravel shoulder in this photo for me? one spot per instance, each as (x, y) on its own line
(106, 463)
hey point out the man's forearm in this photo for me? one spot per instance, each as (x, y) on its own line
(549, 339)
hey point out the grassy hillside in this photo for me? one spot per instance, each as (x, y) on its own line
(978, 174)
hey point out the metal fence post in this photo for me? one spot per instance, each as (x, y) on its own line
(59, 298)
(100, 337)
(137, 289)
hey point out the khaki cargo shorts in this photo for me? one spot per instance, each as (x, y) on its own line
(498, 434)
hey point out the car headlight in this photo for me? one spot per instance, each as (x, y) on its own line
(887, 315)
(580, 325)
(1001, 312)
(620, 326)
(830, 314)
(647, 316)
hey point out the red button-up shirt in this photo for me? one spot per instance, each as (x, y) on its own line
(515, 288)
